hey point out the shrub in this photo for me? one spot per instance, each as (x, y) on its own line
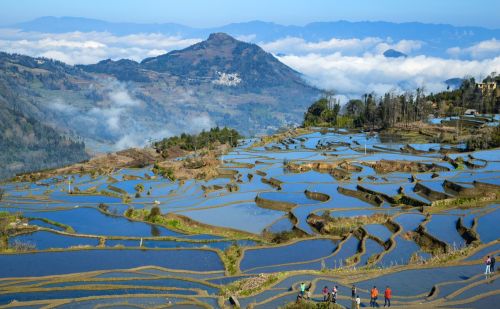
(155, 211)
(129, 212)
(103, 207)
(139, 188)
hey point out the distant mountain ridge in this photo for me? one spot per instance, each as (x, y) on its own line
(438, 37)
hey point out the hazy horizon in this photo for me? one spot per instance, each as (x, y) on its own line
(198, 13)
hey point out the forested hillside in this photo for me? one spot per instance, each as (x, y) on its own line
(26, 144)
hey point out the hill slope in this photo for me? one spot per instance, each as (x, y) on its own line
(118, 104)
(28, 145)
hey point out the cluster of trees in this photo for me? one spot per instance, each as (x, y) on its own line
(391, 108)
(383, 112)
(190, 142)
(325, 112)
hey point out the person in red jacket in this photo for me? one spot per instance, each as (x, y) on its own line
(387, 296)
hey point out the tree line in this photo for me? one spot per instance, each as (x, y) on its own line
(193, 142)
(372, 112)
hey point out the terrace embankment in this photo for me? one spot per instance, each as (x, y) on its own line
(274, 205)
(185, 224)
(318, 196)
(339, 169)
(364, 196)
(419, 132)
(342, 226)
(467, 195)
(389, 166)
(429, 193)
(469, 234)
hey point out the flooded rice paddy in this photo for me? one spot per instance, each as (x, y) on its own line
(315, 208)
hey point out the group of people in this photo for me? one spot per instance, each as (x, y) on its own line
(330, 296)
(374, 297)
(490, 265)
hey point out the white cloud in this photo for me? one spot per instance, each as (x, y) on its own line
(89, 47)
(121, 97)
(355, 75)
(198, 122)
(481, 50)
(405, 46)
(354, 46)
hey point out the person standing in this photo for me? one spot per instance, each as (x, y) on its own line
(325, 293)
(353, 291)
(302, 289)
(334, 294)
(358, 302)
(373, 297)
(492, 264)
(387, 296)
(487, 262)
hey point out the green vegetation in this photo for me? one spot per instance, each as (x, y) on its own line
(67, 228)
(231, 257)
(194, 142)
(322, 113)
(391, 109)
(164, 172)
(6, 219)
(139, 188)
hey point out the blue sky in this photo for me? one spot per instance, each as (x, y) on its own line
(204, 13)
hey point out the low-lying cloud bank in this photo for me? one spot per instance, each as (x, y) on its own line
(352, 47)
(89, 47)
(355, 75)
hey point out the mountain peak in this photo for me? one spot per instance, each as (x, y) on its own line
(220, 36)
(220, 57)
(392, 53)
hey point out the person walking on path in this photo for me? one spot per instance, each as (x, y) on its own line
(487, 262)
(492, 264)
(325, 293)
(353, 291)
(373, 297)
(358, 302)
(387, 296)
